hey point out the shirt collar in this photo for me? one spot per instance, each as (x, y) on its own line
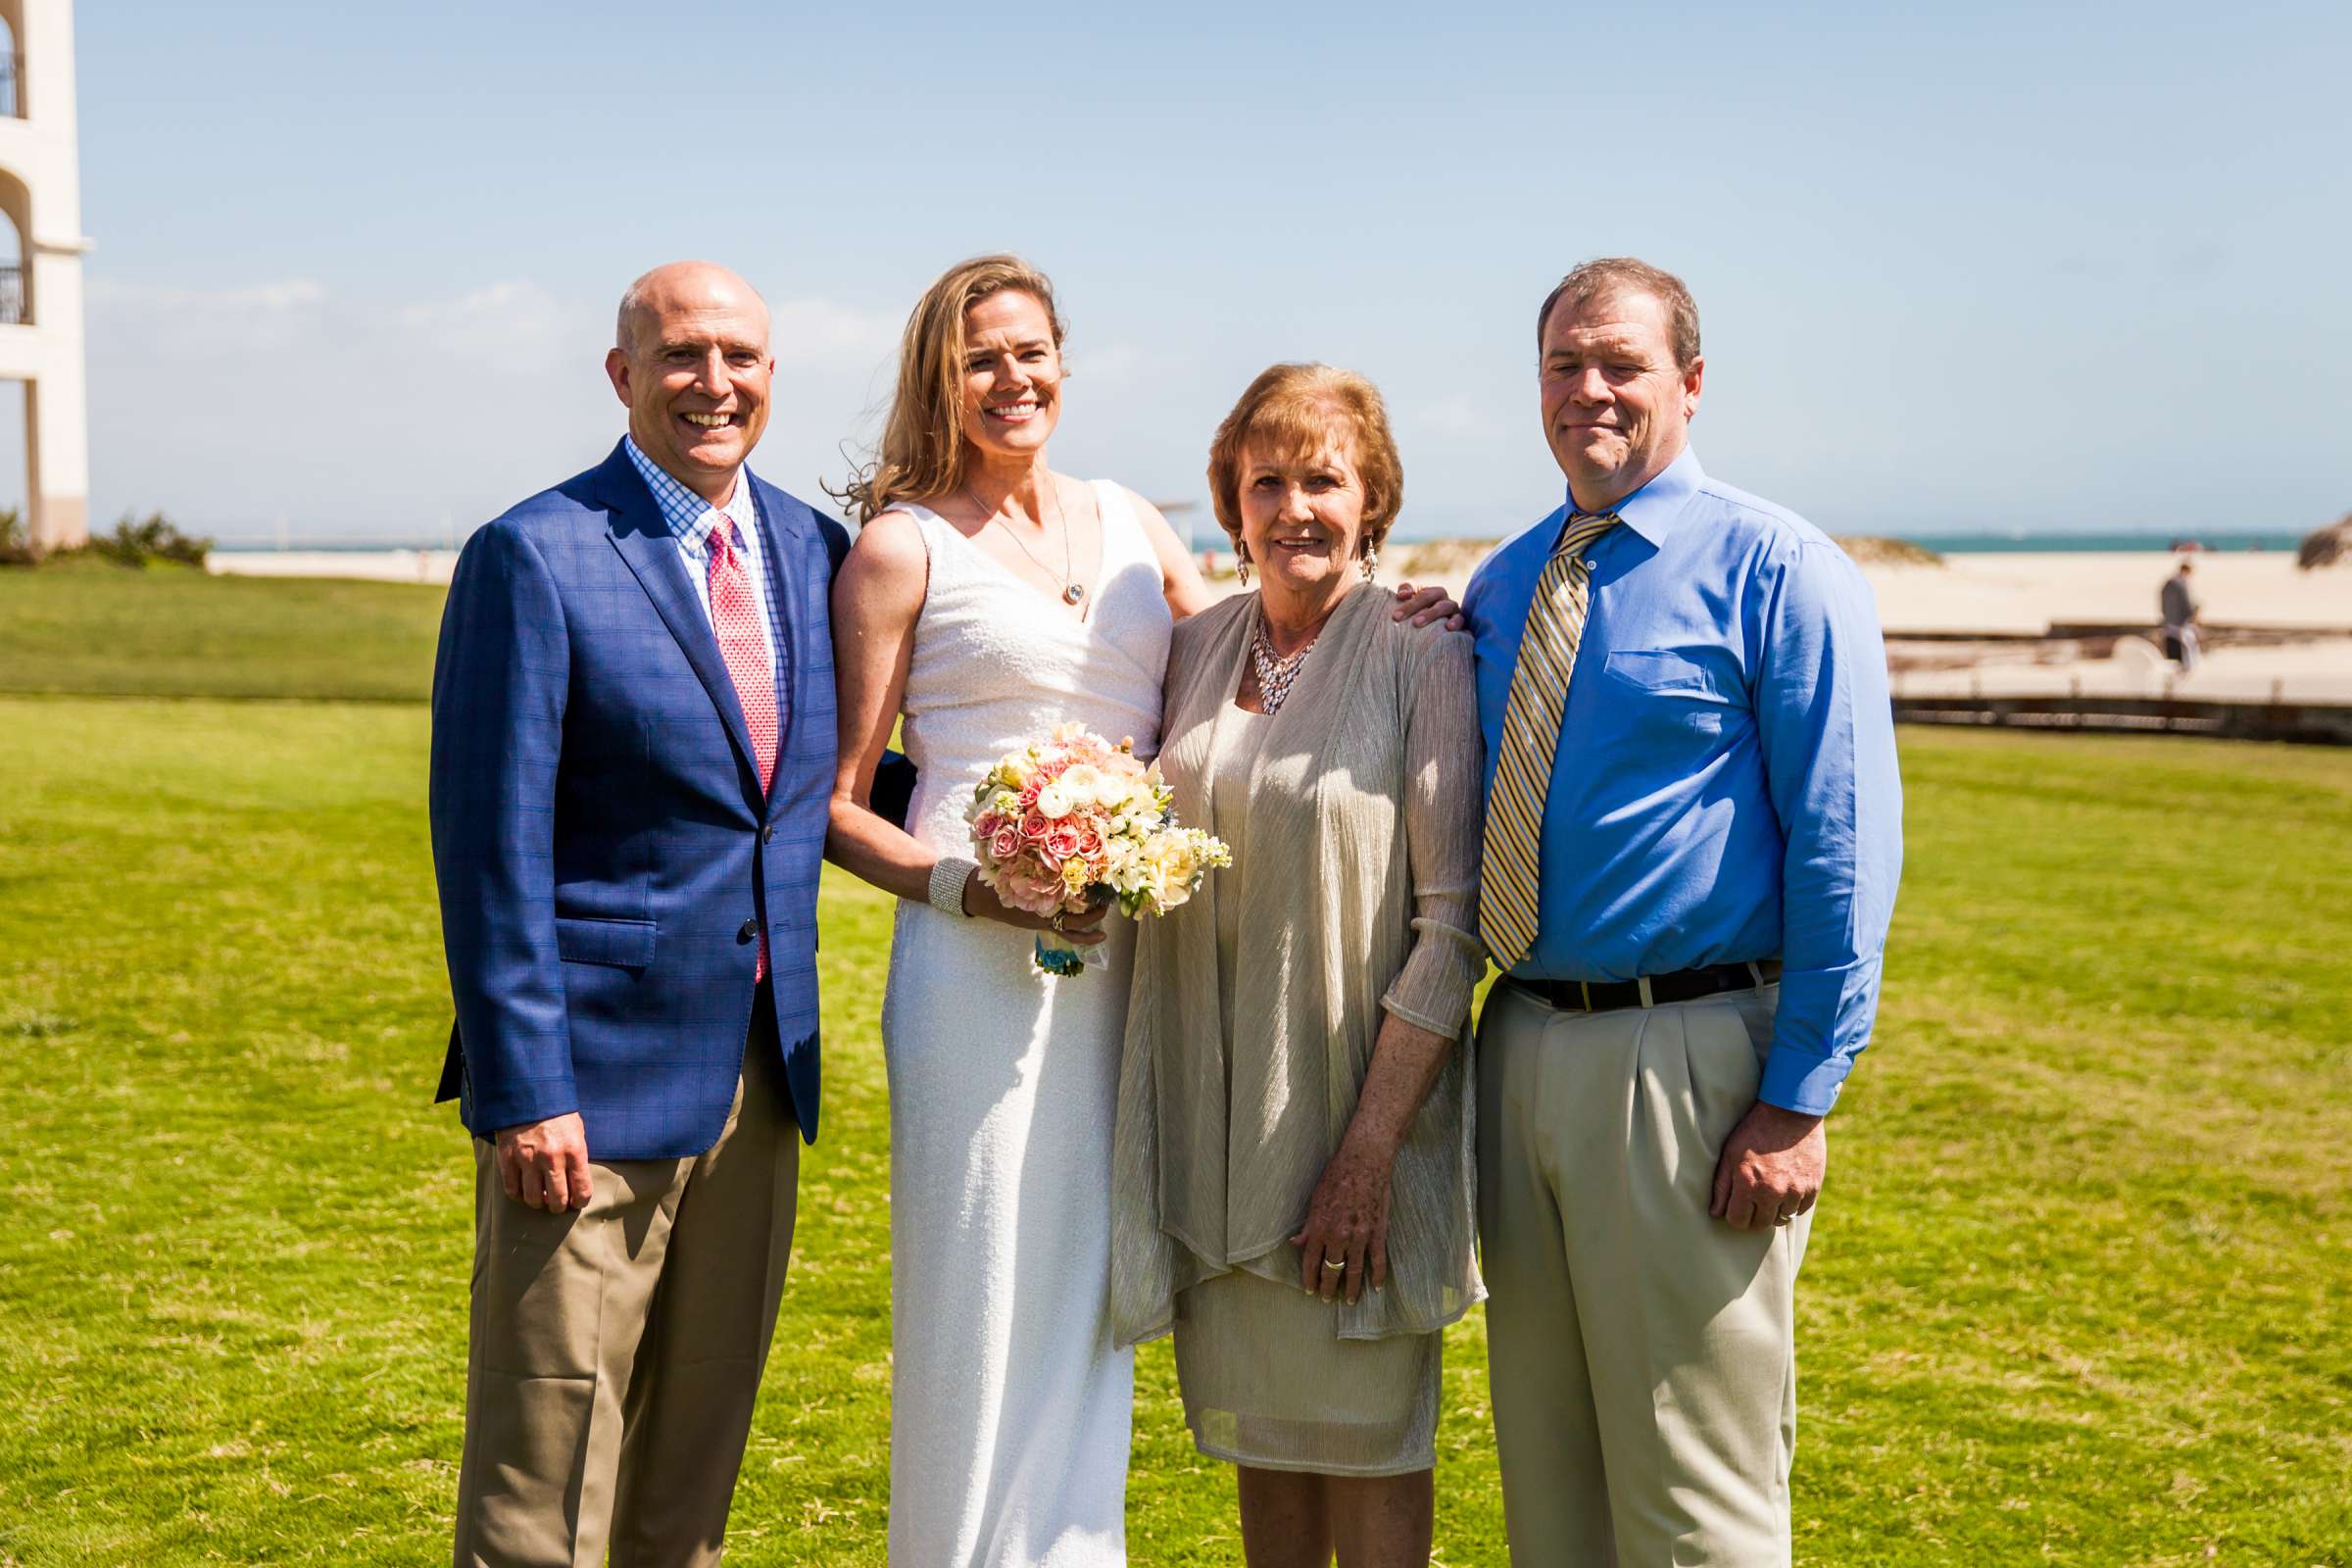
(1652, 510)
(687, 515)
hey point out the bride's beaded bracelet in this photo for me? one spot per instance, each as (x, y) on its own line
(948, 880)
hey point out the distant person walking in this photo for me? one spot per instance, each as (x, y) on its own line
(2178, 603)
(1694, 831)
(632, 758)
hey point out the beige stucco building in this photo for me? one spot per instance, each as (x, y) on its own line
(40, 265)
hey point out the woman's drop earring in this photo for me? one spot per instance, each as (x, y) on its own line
(1371, 560)
(1241, 563)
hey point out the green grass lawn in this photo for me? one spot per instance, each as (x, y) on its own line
(2078, 1292)
(92, 628)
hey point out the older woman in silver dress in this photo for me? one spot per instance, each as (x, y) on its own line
(1294, 1159)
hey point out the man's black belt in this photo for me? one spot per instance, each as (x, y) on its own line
(1684, 985)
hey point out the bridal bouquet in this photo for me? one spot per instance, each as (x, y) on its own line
(1071, 823)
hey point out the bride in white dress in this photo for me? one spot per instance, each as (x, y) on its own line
(987, 599)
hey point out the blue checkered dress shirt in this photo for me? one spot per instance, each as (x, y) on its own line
(690, 520)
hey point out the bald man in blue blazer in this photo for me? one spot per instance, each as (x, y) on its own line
(633, 751)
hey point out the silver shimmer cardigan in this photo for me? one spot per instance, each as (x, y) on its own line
(1358, 895)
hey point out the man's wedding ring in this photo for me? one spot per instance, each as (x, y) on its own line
(1335, 1263)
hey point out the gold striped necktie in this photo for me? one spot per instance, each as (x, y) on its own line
(1531, 738)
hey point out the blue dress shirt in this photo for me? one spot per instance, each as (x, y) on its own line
(1725, 787)
(690, 520)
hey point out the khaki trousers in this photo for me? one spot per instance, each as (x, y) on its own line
(1641, 1353)
(615, 1349)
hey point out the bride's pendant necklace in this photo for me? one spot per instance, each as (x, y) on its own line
(1073, 590)
(1274, 675)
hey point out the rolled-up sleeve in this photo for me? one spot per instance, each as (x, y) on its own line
(1826, 727)
(1443, 819)
(498, 691)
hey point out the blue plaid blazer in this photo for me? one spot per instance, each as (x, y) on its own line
(604, 854)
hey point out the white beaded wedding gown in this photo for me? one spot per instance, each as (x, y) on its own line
(1010, 1407)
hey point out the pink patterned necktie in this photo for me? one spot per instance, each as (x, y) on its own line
(735, 616)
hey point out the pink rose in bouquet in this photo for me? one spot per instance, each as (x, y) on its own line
(1072, 821)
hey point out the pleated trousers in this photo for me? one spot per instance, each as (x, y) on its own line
(615, 1350)
(1641, 1353)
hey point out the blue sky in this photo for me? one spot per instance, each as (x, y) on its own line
(2039, 267)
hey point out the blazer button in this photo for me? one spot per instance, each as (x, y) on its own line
(751, 929)
(767, 834)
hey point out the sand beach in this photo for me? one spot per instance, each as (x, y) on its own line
(2054, 623)
(2274, 631)
(366, 565)
(2271, 630)
(2029, 592)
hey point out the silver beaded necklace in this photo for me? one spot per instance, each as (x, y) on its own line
(1274, 675)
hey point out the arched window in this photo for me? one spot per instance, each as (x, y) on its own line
(12, 61)
(16, 271)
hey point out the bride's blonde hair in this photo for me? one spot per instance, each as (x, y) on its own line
(922, 448)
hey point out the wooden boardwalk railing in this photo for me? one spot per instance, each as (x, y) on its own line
(2306, 723)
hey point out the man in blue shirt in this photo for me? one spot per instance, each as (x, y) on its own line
(1693, 835)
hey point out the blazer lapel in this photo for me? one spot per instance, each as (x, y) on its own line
(651, 554)
(782, 531)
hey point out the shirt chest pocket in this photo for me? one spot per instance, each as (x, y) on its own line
(1667, 694)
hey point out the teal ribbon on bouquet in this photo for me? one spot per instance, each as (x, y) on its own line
(1063, 960)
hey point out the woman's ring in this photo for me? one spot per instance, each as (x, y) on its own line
(1057, 920)
(1335, 1263)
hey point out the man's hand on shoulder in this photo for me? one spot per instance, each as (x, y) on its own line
(545, 1163)
(1426, 605)
(1771, 1169)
